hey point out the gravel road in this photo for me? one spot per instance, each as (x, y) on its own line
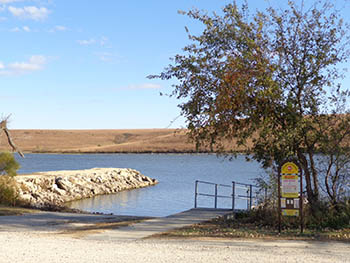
(40, 247)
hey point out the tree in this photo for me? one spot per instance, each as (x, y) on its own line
(3, 127)
(268, 82)
(8, 164)
(8, 169)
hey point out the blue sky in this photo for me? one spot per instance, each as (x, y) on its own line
(80, 64)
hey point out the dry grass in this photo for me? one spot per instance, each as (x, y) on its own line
(101, 141)
(220, 228)
(98, 141)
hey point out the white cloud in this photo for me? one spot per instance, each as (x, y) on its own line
(102, 41)
(60, 28)
(145, 86)
(57, 29)
(87, 42)
(30, 12)
(34, 63)
(106, 56)
(26, 28)
(10, 1)
(23, 28)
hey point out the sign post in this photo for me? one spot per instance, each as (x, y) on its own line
(290, 193)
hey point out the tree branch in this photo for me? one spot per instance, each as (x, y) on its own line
(3, 126)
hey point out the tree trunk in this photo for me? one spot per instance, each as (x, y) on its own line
(312, 196)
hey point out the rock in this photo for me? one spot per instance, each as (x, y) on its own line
(49, 189)
(61, 184)
(57, 190)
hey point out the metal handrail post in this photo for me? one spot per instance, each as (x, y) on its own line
(250, 197)
(216, 196)
(233, 195)
(195, 194)
(247, 198)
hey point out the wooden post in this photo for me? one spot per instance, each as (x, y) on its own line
(279, 201)
(301, 202)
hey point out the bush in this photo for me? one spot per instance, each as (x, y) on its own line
(8, 164)
(330, 216)
(8, 191)
(327, 217)
(8, 188)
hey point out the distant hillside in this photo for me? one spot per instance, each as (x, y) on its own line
(100, 141)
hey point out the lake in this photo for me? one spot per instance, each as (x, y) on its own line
(176, 174)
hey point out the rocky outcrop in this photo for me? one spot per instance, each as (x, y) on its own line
(46, 189)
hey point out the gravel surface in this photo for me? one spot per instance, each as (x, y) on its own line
(52, 247)
(53, 237)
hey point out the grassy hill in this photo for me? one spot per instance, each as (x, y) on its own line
(100, 141)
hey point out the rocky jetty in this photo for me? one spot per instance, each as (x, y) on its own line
(46, 189)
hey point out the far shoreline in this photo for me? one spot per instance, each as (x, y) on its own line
(143, 141)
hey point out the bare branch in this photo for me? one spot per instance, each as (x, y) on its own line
(3, 126)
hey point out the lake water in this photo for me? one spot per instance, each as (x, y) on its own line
(176, 174)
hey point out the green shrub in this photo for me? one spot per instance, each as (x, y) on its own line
(8, 191)
(8, 188)
(330, 216)
(8, 164)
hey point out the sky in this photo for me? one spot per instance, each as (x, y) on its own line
(80, 64)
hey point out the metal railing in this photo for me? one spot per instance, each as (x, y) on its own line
(234, 195)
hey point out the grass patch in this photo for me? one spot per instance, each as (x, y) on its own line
(238, 227)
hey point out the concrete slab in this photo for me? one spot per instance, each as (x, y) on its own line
(56, 221)
(158, 225)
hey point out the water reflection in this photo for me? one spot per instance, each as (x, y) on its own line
(114, 203)
(176, 175)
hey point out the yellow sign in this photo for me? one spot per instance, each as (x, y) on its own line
(289, 168)
(290, 186)
(290, 212)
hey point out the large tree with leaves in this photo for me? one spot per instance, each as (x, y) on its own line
(269, 82)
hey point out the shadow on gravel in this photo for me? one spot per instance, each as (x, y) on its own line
(55, 221)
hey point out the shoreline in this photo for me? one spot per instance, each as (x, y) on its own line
(128, 152)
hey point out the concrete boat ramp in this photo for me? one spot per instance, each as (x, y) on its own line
(159, 225)
(82, 224)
